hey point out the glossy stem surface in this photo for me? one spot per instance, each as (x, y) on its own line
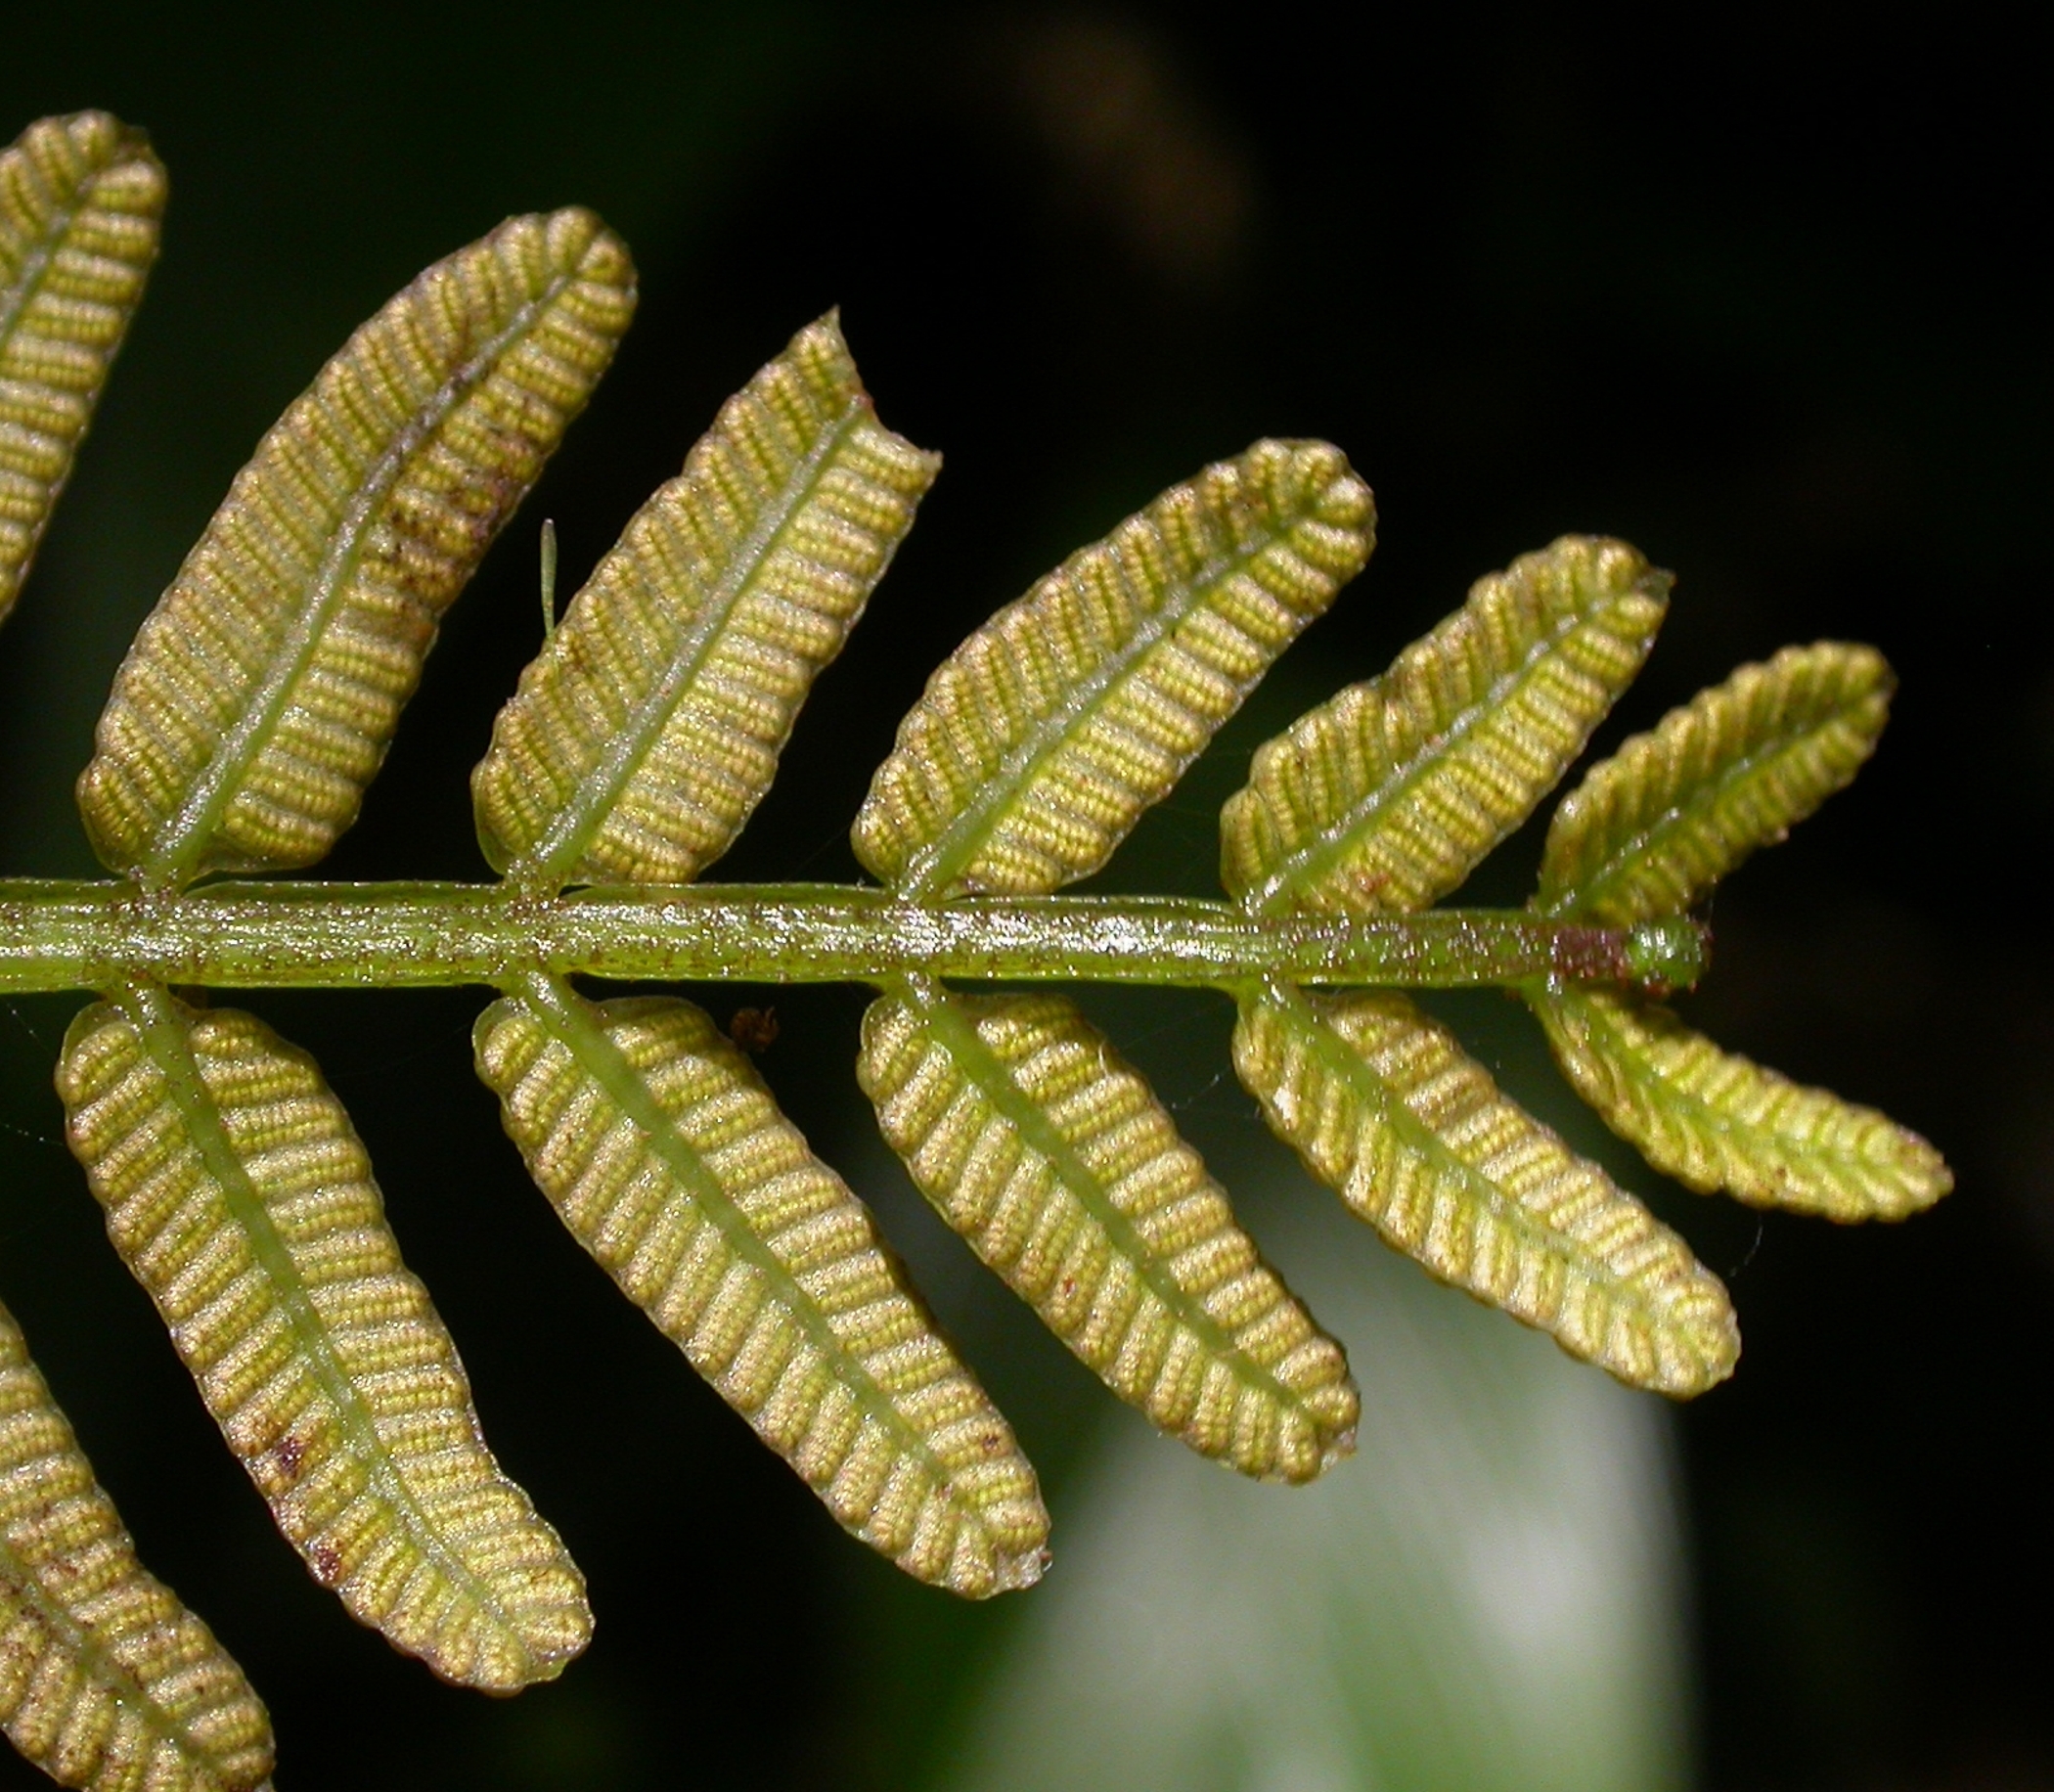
(99, 935)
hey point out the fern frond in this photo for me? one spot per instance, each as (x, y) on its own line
(1056, 1162)
(1385, 1107)
(80, 201)
(107, 1681)
(1716, 1120)
(663, 1152)
(260, 694)
(1040, 740)
(1383, 799)
(1656, 825)
(649, 727)
(242, 1199)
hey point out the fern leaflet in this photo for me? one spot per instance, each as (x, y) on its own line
(1383, 799)
(1040, 740)
(650, 725)
(1653, 827)
(260, 697)
(1385, 1107)
(1712, 1119)
(240, 1196)
(107, 1681)
(664, 1155)
(1056, 1162)
(80, 203)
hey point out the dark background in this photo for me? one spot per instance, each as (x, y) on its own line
(1756, 296)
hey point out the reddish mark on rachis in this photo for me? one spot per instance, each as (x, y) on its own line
(1597, 954)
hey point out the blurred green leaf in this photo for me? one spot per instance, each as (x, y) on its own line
(1488, 1599)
